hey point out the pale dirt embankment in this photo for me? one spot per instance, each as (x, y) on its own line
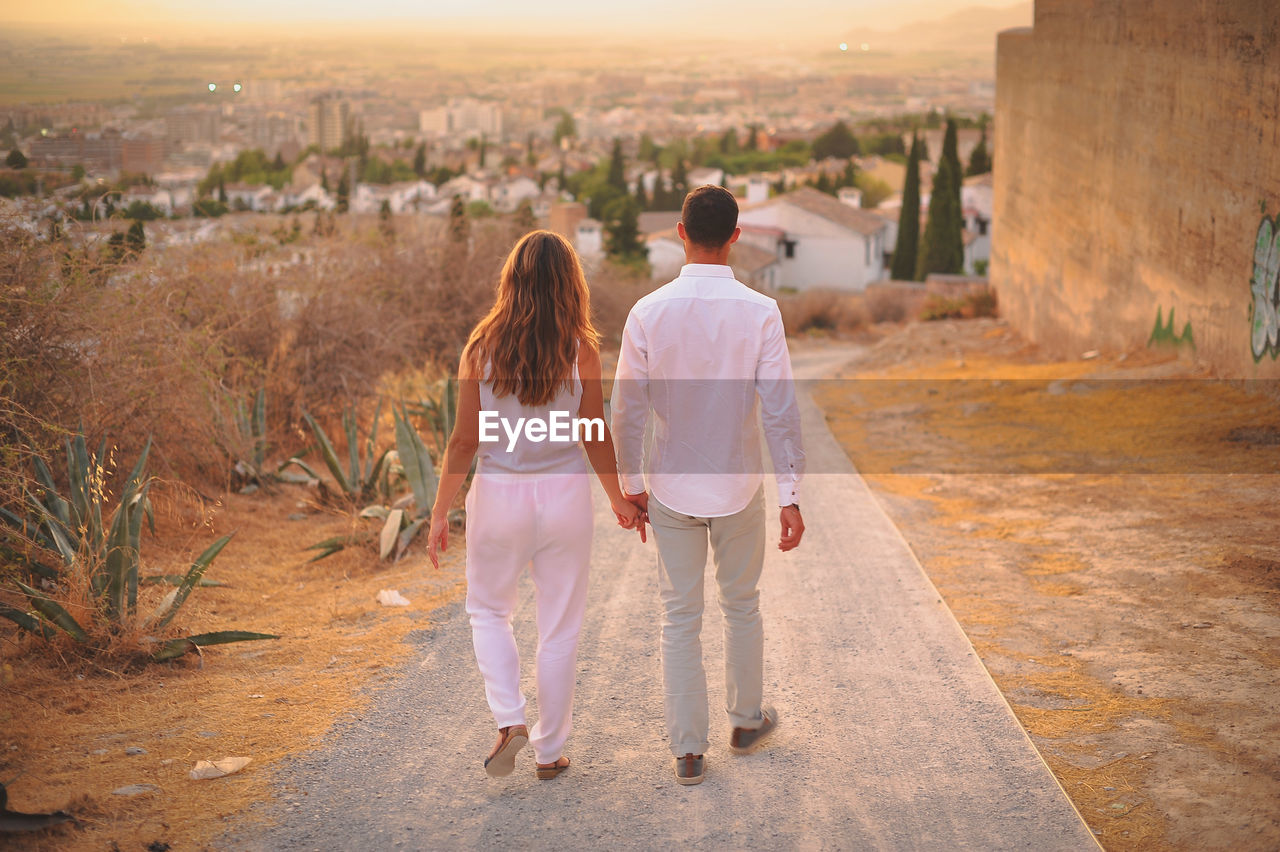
(1131, 620)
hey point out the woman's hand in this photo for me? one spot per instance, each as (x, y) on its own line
(626, 512)
(438, 537)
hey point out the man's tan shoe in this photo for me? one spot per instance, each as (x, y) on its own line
(689, 769)
(745, 740)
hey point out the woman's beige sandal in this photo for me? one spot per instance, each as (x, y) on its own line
(551, 770)
(502, 761)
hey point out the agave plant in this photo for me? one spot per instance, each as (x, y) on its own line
(107, 554)
(360, 481)
(252, 426)
(439, 412)
(399, 526)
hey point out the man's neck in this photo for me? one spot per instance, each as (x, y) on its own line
(716, 257)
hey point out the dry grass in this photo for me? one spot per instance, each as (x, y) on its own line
(823, 312)
(1075, 589)
(66, 727)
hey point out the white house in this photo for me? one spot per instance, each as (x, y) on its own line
(589, 238)
(706, 176)
(507, 195)
(818, 241)
(666, 254)
(241, 195)
(977, 204)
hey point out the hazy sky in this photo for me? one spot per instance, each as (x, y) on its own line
(794, 19)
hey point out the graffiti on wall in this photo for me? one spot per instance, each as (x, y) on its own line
(1163, 333)
(1264, 313)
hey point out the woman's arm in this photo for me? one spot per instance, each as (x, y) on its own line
(463, 444)
(601, 453)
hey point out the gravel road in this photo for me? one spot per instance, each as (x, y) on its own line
(892, 735)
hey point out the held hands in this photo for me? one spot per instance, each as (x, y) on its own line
(792, 528)
(438, 537)
(640, 503)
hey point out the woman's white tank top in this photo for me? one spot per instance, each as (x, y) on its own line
(525, 454)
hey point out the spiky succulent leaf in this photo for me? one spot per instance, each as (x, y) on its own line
(328, 453)
(175, 648)
(192, 578)
(54, 612)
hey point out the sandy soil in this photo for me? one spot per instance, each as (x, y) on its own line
(1131, 620)
(67, 725)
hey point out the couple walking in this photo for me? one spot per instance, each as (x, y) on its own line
(697, 354)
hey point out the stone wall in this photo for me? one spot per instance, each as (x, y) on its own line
(1137, 176)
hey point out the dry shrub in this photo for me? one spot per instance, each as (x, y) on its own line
(165, 345)
(980, 303)
(614, 290)
(823, 311)
(885, 305)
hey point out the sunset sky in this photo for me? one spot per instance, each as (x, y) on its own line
(797, 19)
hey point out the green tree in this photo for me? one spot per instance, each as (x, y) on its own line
(324, 179)
(525, 221)
(648, 151)
(530, 157)
(344, 193)
(979, 160)
(484, 148)
(277, 165)
(837, 142)
(753, 138)
(642, 200)
(942, 248)
(385, 224)
(679, 183)
(951, 153)
(565, 128)
(136, 238)
(16, 159)
(420, 160)
(77, 173)
(459, 227)
(849, 177)
(222, 190)
(141, 211)
(617, 167)
(908, 245)
(823, 184)
(729, 142)
(622, 230)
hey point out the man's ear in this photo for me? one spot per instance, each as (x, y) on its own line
(737, 232)
(680, 232)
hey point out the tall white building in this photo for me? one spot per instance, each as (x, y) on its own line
(465, 117)
(328, 122)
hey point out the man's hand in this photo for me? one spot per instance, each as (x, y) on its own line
(641, 502)
(792, 528)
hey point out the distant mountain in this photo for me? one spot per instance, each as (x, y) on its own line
(971, 30)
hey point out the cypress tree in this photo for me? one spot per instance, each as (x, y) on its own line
(942, 249)
(642, 200)
(420, 160)
(622, 230)
(679, 182)
(904, 252)
(980, 159)
(950, 152)
(617, 167)
(459, 227)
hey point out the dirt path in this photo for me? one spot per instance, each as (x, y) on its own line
(893, 735)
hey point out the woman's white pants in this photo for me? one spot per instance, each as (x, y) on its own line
(544, 522)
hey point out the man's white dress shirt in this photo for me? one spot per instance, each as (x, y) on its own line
(697, 354)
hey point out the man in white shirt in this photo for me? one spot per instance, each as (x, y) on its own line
(696, 356)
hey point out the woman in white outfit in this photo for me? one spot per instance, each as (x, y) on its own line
(534, 356)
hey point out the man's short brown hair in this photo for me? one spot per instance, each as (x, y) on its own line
(710, 214)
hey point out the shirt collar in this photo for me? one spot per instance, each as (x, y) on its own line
(706, 270)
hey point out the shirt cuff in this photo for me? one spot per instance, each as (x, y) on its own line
(633, 483)
(788, 493)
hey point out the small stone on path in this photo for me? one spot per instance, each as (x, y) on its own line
(134, 790)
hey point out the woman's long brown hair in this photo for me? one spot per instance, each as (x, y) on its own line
(529, 339)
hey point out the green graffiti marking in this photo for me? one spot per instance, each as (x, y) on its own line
(1264, 313)
(1162, 334)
